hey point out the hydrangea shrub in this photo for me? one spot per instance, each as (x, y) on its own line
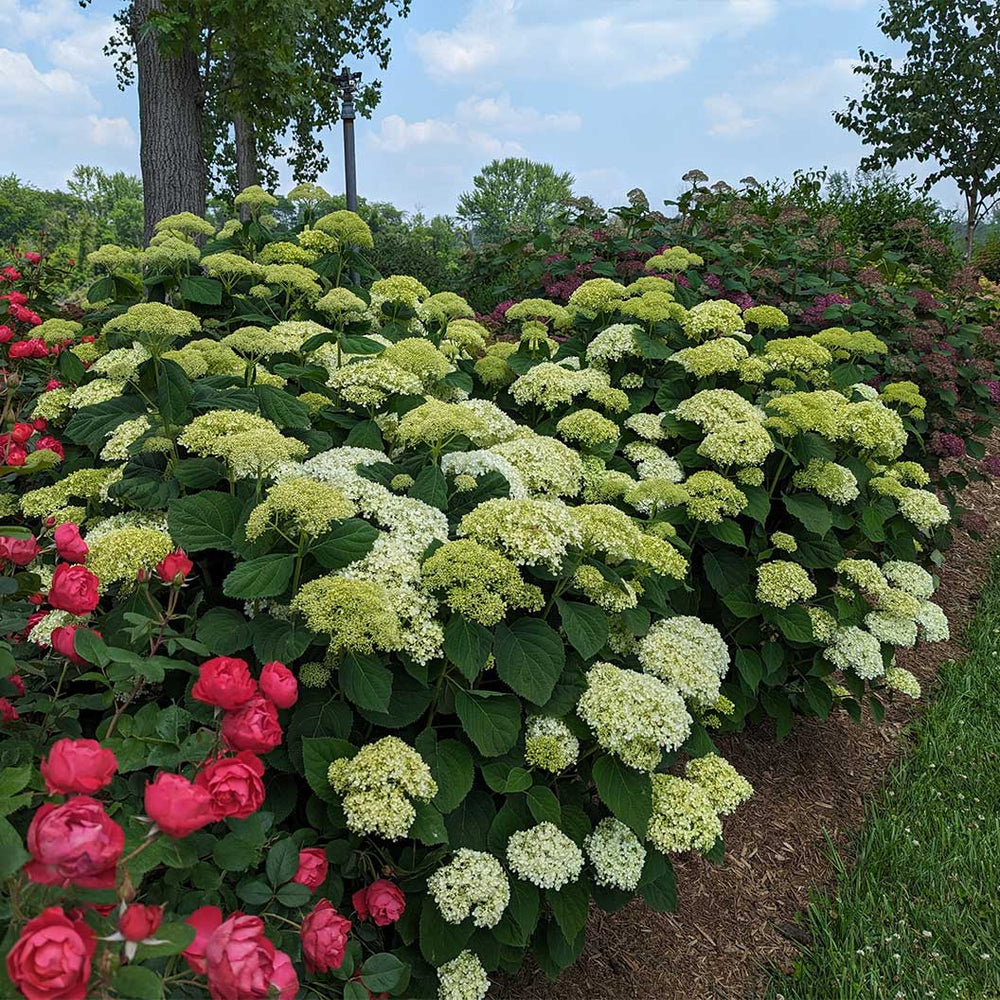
(350, 647)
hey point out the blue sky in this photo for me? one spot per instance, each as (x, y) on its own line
(622, 93)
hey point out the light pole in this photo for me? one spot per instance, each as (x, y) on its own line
(348, 83)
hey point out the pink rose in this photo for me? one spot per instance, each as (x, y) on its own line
(383, 901)
(19, 551)
(78, 766)
(63, 640)
(253, 726)
(51, 958)
(7, 712)
(49, 443)
(225, 682)
(204, 920)
(313, 867)
(73, 589)
(69, 545)
(279, 684)
(177, 806)
(324, 937)
(139, 922)
(234, 784)
(76, 843)
(242, 963)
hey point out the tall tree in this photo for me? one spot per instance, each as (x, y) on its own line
(938, 102)
(514, 191)
(226, 87)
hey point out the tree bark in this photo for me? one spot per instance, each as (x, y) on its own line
(247, 173)
(171, 155)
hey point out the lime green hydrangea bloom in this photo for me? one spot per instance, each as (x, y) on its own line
(903, 681)
(907, 394)
(683, 817)
(596, 296)
(549, 744)
(255, 198)
(726, 788)
(649, 283)
(120, 556)
(540, 309)
(588, 428)
(711, 497)
(715, 357)
(544, 856)
(463, 978)
(231, 267)
(784, 541)
(766, 317)
(419, 357)
(653, 307)
(57, 331)
(355, 614)
(153, 323)
(781, 583)
(309, 506)
(674, 259)
(284, 252)
(471, 336)
(399, 289)
(607, 595)
(435, 423)
(687, 653)
(492, 369)
(853, 648)
(347, 228)
(795, 354)
(547, 466)
(616, 855)
(843, 343)
(473, 884)
(717, 317)
(113, 259)
(250, 444)
(168, 254)
(478, 583)
(830, 480)
(634, 716)
(378, 784)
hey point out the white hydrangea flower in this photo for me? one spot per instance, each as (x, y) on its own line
(472, 884)
(478, 463)
(934, 622)
(616, 855)
(544, 856)
(463, 978)
(853, 648)
(688, 653)
(910, 577)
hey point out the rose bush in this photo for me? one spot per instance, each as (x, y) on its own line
(368, 649)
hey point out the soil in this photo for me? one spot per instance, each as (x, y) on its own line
(737, 920)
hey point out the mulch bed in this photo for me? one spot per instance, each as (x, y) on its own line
(737, 920)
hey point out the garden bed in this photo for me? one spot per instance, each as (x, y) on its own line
(811, 790)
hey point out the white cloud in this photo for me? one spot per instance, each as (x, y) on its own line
(112, 132)
(637, 42)
(499, 113)
(815, 90)
(728, 117)
(28, 90)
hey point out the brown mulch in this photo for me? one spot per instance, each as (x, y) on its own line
(733, 920)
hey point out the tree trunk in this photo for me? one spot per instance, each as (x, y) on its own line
(171, 156)
(971, 221)
(247, 173)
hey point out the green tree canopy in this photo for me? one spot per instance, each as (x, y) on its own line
(939, 101)
(512, 192)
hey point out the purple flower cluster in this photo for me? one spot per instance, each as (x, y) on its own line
(990, 466)
(925, 300)
(814, 314)
(947, 445)
(994, 386)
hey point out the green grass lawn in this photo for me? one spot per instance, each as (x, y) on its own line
(916, 913)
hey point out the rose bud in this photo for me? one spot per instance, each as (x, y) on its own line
(383, 901)
(224, 682)
(51, 958)
(73, 589)
(174, 568)
(234, 784)
(76, 843)
(140, 922)
(204, 920)
(324, 937)
(63, 640)
(82, 766)
(177, 806)
(313, 867)
(253, 726)
(53, 383)
(7, 712)
(279, 684)
(69, 545)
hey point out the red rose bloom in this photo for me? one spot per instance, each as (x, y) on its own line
(241, 960)
(313, 867)
(139, 922)
(177, 806)
(324, 937)
(204, 920)
(284, 978)
(49, 443)
(6, 334)
(73, 589)
(77, 766)
(279, 684)
(234, 784)
(21, 432)
(10, 273)
(53, 383)
(253, 726)
(76, 843)
(19, 551)
(15, 456)
(33, 348)
(51, 958)
(7, 712)
(31, 257)
(69, 545)
(383, 901)
(174, 568)
(18, 683)
(64, 641)
(225, 682)
(40, 423)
